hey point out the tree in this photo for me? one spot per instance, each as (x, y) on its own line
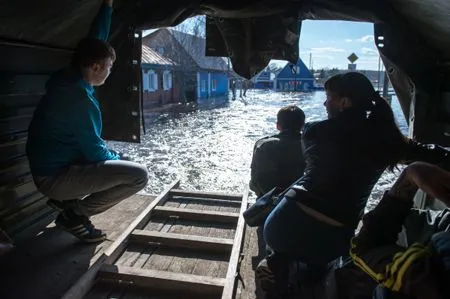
(195, 26)
(183, 34)
(322, 74)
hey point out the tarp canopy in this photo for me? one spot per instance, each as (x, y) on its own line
(63, 22)
(412, 35)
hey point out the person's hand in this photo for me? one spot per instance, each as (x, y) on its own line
(431, 179)
(124, 157)
(108, 2)
(121, 155)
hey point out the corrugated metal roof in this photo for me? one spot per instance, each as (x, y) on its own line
(150, 56)
(195, 46)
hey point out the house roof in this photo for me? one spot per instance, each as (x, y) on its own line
(195, 47)
(288, 73)
(150, 56)
(263, 76)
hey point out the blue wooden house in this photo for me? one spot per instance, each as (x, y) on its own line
(263, 80)
(294, 78)
(200, 77)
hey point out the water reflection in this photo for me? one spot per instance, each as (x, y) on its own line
(210, 148)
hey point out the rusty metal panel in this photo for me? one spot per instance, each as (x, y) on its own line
(23, 74)
(20, 202)
(33, 58)
(120, 96)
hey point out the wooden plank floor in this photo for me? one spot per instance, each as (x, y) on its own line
(158, 257)
(190, 261)
(45, 264)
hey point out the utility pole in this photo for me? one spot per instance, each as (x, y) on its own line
(310, 61)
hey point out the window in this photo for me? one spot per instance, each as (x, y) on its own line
(145, 80)
(214, 84)
(295, 69)
(203, 85)
(167, 80)
(152, 81)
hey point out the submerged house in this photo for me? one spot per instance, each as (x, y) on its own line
(158, 84)
(199, 77)
(294, 78)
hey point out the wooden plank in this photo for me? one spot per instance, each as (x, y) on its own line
(228, 289)
(157, 258)
(209, 195)
(8, 139)
(205, 201)
(30, 84)
(130, 255)
(215, 216)
(186, 262)
(14, 195)
(85, 282)
(164, 280)
(14, 142)
(117, 247)
(20, 57)
(205, 264)
(182, 241)
(15, 124)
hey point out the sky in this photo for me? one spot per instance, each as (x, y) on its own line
(331, 42)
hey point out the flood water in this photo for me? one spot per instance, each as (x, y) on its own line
(210, 149)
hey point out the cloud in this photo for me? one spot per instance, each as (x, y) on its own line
(366, 39)
(348, 40)
(369, 52)
(327, 50)
(315, 56)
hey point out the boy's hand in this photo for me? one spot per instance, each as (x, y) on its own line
(124, 157)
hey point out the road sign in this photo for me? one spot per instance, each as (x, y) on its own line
(352, 58)
(352, 66)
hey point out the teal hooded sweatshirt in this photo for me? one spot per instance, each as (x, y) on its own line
(67, 124)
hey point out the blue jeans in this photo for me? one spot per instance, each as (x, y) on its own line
(291, 232)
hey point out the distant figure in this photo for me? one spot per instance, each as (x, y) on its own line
(239, 85)
(246, 86)
(69, 161)
(233, 88)
(278, 160)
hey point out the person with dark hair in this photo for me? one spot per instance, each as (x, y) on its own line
(345, 156)
(419, 269)
(69, 161)
(278, 160)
